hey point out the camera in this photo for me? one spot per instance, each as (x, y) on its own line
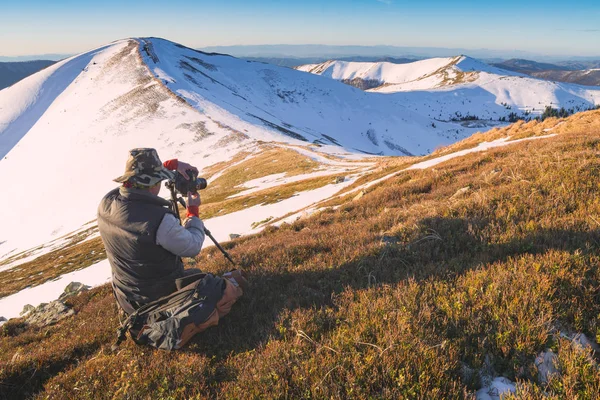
(192, 185)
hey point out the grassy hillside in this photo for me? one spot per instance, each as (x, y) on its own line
(407, 292)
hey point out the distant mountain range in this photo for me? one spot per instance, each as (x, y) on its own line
(34, 57)
(12, 72)
(459, 88)
(529, 66)
(579, 72)
(339, 52)
(292, 62)
(589, 77)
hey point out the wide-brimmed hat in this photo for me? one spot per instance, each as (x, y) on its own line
(144, 168)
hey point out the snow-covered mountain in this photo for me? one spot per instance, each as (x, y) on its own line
(419, 75)
(458, 87)
(65, 131)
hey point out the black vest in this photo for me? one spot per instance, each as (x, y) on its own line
(142, 271)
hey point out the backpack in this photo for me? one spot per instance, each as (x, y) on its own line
(171, 321)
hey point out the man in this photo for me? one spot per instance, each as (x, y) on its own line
(143, 238)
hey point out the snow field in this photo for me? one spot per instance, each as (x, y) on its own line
(95, 275)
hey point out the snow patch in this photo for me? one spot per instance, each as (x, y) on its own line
(241, 222)
(94, 275)
(497, 389)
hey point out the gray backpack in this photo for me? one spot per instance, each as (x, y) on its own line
(171, 321)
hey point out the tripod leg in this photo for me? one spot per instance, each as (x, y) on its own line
(227, 256)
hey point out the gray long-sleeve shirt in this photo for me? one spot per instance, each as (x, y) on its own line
(183, 241)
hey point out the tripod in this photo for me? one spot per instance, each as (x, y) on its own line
(175, 201)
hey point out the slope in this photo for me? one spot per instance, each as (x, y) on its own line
(428, 286)
(301, 108)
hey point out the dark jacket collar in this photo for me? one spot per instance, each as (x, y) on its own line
(142, 195)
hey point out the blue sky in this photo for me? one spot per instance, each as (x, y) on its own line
(66, 26)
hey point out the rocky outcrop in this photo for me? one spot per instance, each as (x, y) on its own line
(73, 289)
(48, 313)
(27, 308)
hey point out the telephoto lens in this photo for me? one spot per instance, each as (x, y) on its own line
(185, 186)
(201, 184)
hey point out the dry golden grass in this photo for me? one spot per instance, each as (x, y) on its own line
(272, 160)
(390, 296)
(588, 121)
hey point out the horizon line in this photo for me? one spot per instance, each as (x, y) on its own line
(493, 50)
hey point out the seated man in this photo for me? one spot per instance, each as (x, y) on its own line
(144, 240)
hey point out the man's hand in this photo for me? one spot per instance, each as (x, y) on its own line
(183, 167)
(193, 199)
(193, 202)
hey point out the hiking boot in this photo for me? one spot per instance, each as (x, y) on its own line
(238, 278)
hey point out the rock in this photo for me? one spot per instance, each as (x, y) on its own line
(48, 313)
(2, 321)
(583, 342)
(546, 363)
(339, 179)
(359, 196)
(461, 192)
(27, 308)
(74, 288)
(580, 340)
(234, 236)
